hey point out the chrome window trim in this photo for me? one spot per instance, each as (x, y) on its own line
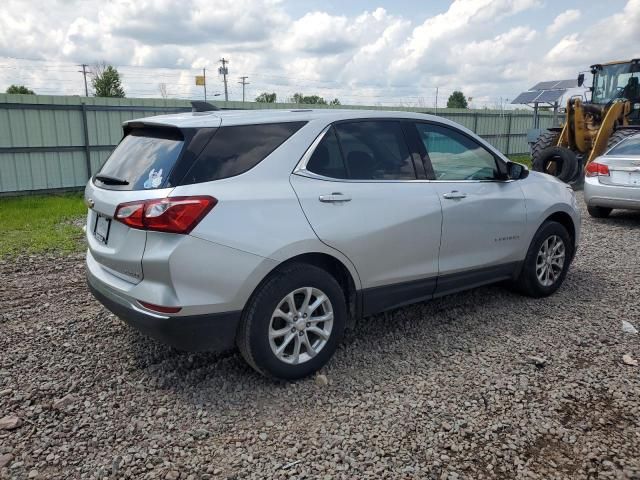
(315, 176)
(302, 164)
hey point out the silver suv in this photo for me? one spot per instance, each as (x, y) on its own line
(273, 230)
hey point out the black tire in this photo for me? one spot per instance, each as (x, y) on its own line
(546, 139)
(253, 332)
(528, 282)
(619, 135)
(599, 212)
(559, 162)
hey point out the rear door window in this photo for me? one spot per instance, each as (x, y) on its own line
(375, 150)
(234, 150)
(144, 158)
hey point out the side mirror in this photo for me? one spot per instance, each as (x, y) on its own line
(580, 79)
(516, 171)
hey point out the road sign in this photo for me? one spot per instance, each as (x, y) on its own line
(200, 80)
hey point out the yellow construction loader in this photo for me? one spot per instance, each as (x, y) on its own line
(592, 127)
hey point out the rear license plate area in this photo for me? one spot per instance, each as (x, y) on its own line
(621, 177)
(101, 228)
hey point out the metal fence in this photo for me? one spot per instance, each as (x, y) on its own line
(52, 143)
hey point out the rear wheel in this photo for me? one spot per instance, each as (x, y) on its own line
(293, 323)
(619, 135)
(599, 212)
(547, 261)
(559, 162)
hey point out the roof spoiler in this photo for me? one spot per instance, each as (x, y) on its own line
(199, 106)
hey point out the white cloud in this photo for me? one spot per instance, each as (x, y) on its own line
(487, 48)
(611, 38)
(563, 20)
(462, 18)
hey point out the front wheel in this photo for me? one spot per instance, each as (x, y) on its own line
(547, 261)
(294, 322)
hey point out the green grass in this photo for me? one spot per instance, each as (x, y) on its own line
(51, 223)
(524, 159)
(36, 224)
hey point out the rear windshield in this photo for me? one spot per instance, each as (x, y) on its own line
(234, 150)
(630, 146)
(144, 158)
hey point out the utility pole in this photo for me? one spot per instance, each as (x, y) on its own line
(224, 71)
(84, 73)
(204, 76)
(243, 82)
(436, 100)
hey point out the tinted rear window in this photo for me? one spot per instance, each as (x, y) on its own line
(144, 158)
(234, 150)
(630, 146)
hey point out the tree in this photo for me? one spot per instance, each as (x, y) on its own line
(106, 82)
(266, 97)
(457, 100)
(21, 89)
(301, 99)
(163, 90)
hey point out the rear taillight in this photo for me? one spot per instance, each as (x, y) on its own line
(595, 169)
(171, 215)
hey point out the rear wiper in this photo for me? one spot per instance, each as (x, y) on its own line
(109, 180)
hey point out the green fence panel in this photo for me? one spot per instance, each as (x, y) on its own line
(42, 138)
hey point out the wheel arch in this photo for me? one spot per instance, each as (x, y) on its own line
(332, 265)
(564, 219)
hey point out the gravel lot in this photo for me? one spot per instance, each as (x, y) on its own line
(447, 389)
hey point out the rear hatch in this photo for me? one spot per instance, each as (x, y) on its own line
(142, 167)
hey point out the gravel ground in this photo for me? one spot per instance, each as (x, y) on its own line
(484, 384)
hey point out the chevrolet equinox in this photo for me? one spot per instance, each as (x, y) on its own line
(272, 230)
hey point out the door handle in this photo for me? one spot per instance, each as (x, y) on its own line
(335, 197)
(454, 195)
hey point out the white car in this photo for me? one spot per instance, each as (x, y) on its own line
(613, 179)
(273, 230)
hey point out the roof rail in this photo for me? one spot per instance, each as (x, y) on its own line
(199, 106)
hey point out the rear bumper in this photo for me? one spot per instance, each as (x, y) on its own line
(612, 196)
(213, 332)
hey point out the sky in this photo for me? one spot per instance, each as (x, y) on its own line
(375, 52)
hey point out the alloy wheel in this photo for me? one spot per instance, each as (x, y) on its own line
(550, 260)
(301, 325)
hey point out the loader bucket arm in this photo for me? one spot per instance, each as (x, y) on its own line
(617, 112)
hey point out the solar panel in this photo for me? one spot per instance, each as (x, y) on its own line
(555, 85)
(545, 92)
(525, 97)
(544, 85)
(550, 96)
(568, 84)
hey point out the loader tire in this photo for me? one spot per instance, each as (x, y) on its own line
(559, 162)
(619, 135)
(544, 141)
